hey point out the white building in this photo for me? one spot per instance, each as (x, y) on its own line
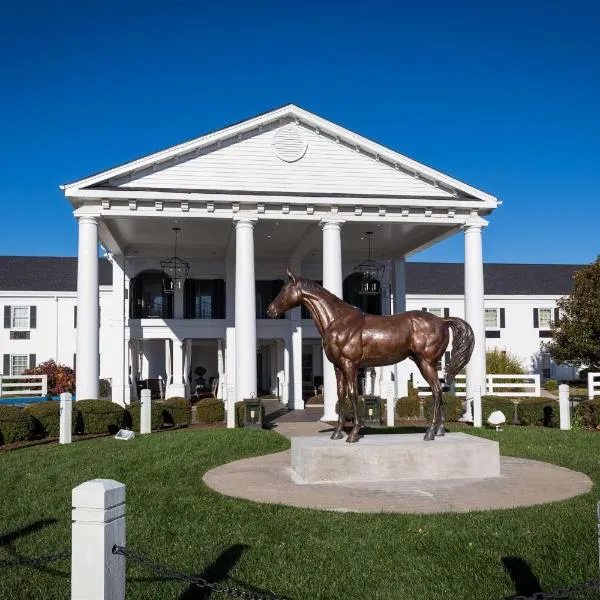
(286, 189)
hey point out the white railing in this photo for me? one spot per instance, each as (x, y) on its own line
(593, 385)
(23, 385)
(501, 385)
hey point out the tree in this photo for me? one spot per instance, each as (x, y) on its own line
(502, 362)
(60, 377)
(576, 336)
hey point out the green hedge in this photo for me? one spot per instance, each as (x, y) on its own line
(537, 411)
(133, 416)
(551, 385)
(408, 407)
(176, 411)
(46, 418)
(587, 414)
(15, 425)
(240, 413)
(98, 416)
(210, 410)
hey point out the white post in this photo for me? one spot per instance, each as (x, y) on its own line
(590, 386)
(98, 524)
(146, 412)
(66, 412)
(474, 304)
(332, 281)
(563, 404)
(44, 385)
(477, 408)
(245, 310)
(88, 353)
(538, 385)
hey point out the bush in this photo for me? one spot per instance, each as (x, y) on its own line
(538, 411)
(98, 416)
(587, 414)
(46, 418)
(210, 410)
(240, 413)
(15, 425)
(132, 416)
(409, 407)
(176, 411)
(60, 377)
(104, 389)
(551, 385)
(502, 362)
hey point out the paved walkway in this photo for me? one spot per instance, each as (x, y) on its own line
(270, 479)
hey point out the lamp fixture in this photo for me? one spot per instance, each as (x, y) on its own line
(371, 273)
(175, 270)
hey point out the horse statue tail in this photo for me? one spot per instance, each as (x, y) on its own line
(463, 341)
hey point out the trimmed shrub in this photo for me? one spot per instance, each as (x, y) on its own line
(538, 411)
(104, 389)
(587, 414)
(132, 416)
(210, 410)
(551, 385)
(176, 411)
(240, 413)
(15, 424)
(347, 408)
(46, 418)
(98, 416)
(409, 407)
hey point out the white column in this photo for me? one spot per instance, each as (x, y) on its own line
(230, 338)
(66, 414)
(177, 387)
(187, 361)
(168, 362)
(98, 525)
(474, 304)
(293, 347)
(222, 388)
(332, 281)
(245, 310)
(398, 285)
(88, 352)
(287, 355)
(131, 369)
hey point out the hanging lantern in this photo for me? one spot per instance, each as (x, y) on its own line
(175, 270)
(371, 273)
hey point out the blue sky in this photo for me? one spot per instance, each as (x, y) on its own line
(502, 95)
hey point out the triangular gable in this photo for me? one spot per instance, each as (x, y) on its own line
(260, 155)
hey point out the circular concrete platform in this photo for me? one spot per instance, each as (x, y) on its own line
(522, 483)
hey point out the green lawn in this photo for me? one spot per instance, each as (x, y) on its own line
(174, 519)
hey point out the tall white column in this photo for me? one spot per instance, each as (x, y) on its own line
(293, 347)
(222, 388)
(230, 337)
(245, 310)
(177, 387)
(119, 357)
(332, 281)
(401, 370)
(88, 350)
(474, 303)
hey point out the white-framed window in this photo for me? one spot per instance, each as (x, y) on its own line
(19, 317)
(491, 318)
(18, 363)
(544, 318)
(438, 312)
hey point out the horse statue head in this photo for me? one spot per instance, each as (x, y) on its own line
(289, 297)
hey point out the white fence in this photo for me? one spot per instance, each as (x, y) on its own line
(501, 385)
(23, 385)
(593, 385)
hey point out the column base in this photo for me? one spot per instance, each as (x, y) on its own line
(175, 390)
(329, 417)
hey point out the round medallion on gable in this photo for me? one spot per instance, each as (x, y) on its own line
(289, 144)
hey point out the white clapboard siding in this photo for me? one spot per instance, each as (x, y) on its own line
(252, 165)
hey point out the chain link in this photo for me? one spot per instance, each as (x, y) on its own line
(193, 579)
(563, 592)
(34, 561)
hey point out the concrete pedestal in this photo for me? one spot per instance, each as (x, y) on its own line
(394, 458)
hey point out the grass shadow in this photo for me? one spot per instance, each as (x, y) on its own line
(524, 581)
(393, 430)
(8, 538)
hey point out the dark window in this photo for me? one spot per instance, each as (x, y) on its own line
(492, 334)
(266, 292)
(546, 373)
(545, 333)
(368, 304)
(147, 299)
(19, 335)
(204, 299)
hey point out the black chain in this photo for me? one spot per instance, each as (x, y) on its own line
(34, 561)
(563, 592)
(169, 573)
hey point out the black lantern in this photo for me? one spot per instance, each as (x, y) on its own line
(253, 413)
(371, 273)
(175, 270)
(372, 411)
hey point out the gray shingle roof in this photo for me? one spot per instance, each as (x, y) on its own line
(59, 274)
(45, 273)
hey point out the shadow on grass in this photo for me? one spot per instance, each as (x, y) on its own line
(393, 430)
(10, 537)
(524, 581)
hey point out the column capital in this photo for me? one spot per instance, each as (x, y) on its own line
(474, 223)
(244, 222)
(331, 223)
(88, 219)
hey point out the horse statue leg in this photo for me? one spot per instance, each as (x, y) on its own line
(341, 392)
(429, 372)
(350, 374)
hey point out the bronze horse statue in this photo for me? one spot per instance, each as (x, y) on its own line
(353, 339)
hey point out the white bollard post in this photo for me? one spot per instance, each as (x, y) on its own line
(390, 404)
(66, 412)
(563, 404)
(146, 412)
(477, 408)
(98, 524)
